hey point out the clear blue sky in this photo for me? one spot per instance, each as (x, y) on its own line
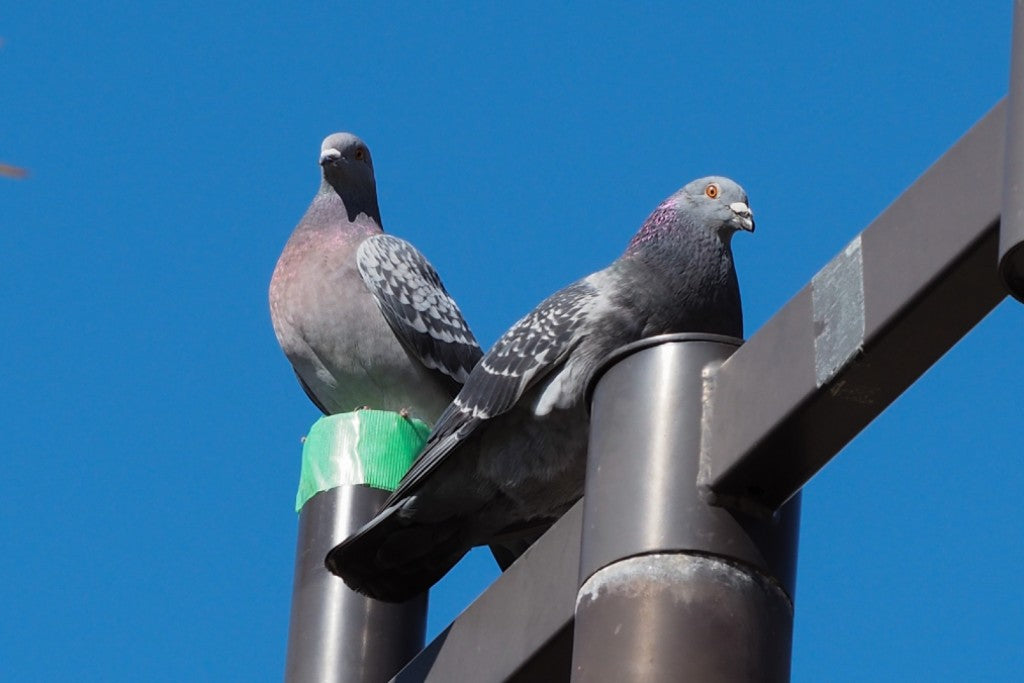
(150, 424)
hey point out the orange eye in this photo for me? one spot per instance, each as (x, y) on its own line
(711, 191)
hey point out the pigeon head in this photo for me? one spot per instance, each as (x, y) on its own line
(716, 202)
(712, 204)
(348, 171)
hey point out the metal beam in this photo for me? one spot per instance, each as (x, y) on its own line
(520, 629)
(871, 322)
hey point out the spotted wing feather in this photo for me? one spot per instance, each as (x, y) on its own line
(525, 354)
(416, 305)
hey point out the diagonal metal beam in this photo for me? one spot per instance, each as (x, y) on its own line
(871, 322)
(520, 629)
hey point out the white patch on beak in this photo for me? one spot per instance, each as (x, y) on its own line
(745, 215)
(329, 155)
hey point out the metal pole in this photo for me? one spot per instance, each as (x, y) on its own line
(1011, 230)
(672, 588)
(336, 634)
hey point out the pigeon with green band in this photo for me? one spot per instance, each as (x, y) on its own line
(363, 316)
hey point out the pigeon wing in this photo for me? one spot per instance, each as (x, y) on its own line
(525, 354)
(416, 305)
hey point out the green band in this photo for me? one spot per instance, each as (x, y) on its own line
(372, 447)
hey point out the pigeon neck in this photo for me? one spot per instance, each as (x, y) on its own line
(356, 200)
(668, 241)
(656, 230)
(676, 260)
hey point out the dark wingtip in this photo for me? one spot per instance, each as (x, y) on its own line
(387, 585)
(393, 560)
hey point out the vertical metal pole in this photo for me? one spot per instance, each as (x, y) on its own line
(1011, 226)
(335, 633)
(674, 589)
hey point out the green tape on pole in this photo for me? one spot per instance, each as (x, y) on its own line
(372, 447)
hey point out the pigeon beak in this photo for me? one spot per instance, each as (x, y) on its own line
(329, 156)
(744, 215)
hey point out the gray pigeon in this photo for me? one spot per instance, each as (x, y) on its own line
(509, 454)
(362, 316)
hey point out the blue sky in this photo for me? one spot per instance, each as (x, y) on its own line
(151, 425)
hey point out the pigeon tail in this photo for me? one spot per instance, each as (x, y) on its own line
(394, 559)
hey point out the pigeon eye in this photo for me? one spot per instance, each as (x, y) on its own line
(711, 191)
(360, 154)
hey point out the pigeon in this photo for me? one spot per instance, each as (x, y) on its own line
(363, 316)
(509, 454)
